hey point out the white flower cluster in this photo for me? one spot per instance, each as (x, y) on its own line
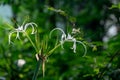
(69, 38)
(22, 29)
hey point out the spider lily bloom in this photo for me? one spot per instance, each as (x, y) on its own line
(72, 39)
(69, 38)
(22, 29)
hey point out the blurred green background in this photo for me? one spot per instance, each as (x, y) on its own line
(99, 25)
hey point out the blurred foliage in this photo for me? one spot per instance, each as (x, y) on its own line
(102, 61)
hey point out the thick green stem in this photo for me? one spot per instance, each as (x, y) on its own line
(37, 70)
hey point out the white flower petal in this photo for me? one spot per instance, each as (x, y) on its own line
(74, 45)
(17, 36)
(63, 37)
(63, 33)
(9, 36)
(83, 46)
(33, 25)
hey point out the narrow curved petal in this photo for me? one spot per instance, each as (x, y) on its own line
(84, 47)
(63, 37)
(17, 36)
(9, 36)
(63, 33)
(74, 45)
(33, 25)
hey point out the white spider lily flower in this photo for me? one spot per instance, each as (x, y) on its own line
(22, 29)
(69, 38)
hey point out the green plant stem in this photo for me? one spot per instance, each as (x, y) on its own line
(37, 70)
(39, 62)
(31, 42)
(37, 41)
(50, 52)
